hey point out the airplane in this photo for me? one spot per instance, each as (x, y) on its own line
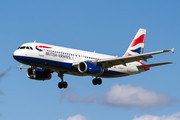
(44, 59)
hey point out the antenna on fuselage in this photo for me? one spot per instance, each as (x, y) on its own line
(34, 41)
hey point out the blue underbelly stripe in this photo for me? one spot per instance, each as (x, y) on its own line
(61, 65)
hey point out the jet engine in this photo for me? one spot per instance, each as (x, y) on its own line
(38, 74)
(91, 68)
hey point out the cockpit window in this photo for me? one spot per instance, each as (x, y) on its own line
(22, 47)
(25, 47)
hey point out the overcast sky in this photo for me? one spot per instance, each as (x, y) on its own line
(104, 26)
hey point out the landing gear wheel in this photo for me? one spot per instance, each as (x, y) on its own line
(99, 81)
(65, 85)
(94, 81)
(62, 85)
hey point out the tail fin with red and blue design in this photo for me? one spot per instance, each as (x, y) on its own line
(137, 45)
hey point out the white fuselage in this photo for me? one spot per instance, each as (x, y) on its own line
(61, 59)
(45, 59)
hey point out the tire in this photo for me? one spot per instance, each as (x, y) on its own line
(94, 81)
(65, 85)
(99, 81)
(60, 85)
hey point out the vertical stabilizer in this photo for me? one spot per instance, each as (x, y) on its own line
(137, 45)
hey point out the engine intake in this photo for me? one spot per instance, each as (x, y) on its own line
(91, 68)
(40, 74)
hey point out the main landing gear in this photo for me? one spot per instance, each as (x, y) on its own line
(62, 84)
(96, 81)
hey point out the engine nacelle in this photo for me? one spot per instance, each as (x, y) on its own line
(40, 74)
(91, 68)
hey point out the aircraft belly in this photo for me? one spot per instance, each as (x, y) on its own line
(65, 67)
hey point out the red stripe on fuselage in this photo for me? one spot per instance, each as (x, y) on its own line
(146, 68)
(40, 46)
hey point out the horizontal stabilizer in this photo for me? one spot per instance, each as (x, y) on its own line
(153, 65)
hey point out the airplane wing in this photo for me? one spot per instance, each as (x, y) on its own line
(106, 63)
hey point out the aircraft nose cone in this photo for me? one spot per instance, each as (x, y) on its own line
(19, 56)
(15, 55)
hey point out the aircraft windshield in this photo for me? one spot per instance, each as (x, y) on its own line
(26, 47)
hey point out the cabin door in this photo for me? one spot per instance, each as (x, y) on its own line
(41, 53)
